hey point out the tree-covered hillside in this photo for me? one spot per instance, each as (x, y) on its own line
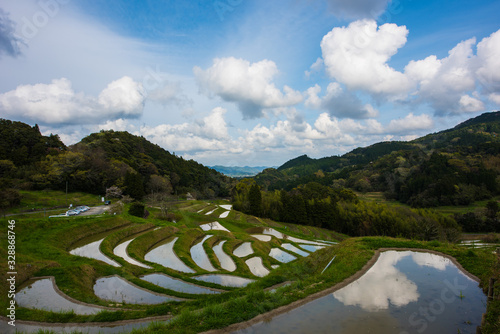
(126, 164)
(451, 167)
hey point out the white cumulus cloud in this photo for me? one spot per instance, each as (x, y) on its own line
(410, 123)
(58, 103)
(250, 85)
(357, 56)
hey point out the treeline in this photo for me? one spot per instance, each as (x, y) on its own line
(340, 210)
(454, 167)
(117, 162)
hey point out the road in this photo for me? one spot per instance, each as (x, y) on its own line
(95, 210)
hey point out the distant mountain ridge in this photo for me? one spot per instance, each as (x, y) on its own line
(450, 167)
(237, 171)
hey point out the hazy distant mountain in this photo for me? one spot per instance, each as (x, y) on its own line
(235, 171)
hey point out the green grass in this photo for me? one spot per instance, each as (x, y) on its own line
(43, 244)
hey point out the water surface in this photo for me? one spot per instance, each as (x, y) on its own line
(243, 250)
(257, 267)
(294, 249)
(174, 284)
(119, 290)
(279, 235)
(165, 256)
(213, 226)
(311, 248)
(404, 292)
(281, 255)
(226, 262)
(42, 295)
(200, 257)
(121, 251)
(92, 250)
(225, 280)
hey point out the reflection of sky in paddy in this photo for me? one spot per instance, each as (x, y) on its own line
(294, 249)
(262, 237)
(213, 226)
(119, 290)
(281, 255)
(121, 251)
(257, 267)
(174, 284)
(92, 250)
(42, 295)
(311, 248)
(200, 257)
(165, 256)
(243, 250)
(279, 235)
(380, 285)
(391, 298)
(226, 262)
(225, 280)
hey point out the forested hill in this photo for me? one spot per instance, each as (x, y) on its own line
(451, 167)
(102, 160)
(23, 144)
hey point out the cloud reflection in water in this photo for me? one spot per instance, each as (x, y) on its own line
(383, 283)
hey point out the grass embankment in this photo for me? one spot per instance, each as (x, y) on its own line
(306, 279)
(44, 245)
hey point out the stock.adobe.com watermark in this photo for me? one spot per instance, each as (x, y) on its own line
(11, 272)
(48, 9)
(420, 320)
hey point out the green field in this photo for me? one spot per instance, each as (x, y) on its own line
(42, 246)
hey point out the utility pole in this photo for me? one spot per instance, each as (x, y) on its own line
(66, 193)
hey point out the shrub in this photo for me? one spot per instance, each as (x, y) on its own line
(136, 209)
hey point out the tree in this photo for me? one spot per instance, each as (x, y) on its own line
(113, 192)
(492, 209)
(158, 185)
(136, 209)
(255, 199)
(133, 185)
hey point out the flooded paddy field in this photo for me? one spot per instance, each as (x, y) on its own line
(247, 261)
(403, 292)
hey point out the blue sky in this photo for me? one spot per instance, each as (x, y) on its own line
(238, 82)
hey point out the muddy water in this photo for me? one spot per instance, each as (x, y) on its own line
(404, 292)
(170, 283)
(226, 262)
(165, 256)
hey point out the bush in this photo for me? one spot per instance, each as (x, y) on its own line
(136, 209)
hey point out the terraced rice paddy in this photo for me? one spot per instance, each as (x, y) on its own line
(170, 258)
